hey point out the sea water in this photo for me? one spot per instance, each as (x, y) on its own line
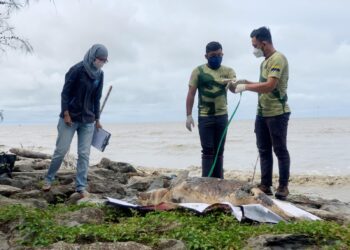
(317, 146)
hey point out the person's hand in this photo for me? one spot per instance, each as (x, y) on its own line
(229, 83)
(240, 85)
(67, 119)
(241, 81)
(240, 88)
(189, 122)
(98, 124)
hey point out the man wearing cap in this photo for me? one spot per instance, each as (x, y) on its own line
(80, 112)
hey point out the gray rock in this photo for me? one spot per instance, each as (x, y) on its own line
(171, 244)
(7, 190)
(98, 246)
(333, 210)
(27, 194)
(106, 187)
(88, 215)
(281, 242)
(37, 203)
(4, 245)
(117, 166)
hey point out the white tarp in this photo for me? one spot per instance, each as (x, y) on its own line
(255, 212)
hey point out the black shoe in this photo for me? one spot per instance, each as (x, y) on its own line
(266, 189)
(282, 192)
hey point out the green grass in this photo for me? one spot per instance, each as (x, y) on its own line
(215, 230)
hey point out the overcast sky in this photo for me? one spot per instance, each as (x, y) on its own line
(154, 46)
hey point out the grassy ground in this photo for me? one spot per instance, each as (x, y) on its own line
(215, 230)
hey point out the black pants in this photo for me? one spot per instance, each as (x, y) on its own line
(211, 129)
(271, 133)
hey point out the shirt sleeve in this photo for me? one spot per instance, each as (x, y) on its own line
(70, 80)
(194, 78)
(276, 67)
(232, 75)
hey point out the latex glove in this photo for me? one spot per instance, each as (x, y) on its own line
(189, 122)
(241, 81)
(229, 83)
(240, 88)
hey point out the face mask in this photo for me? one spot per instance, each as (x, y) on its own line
(98, 64)
(258, 52)
(214, 62)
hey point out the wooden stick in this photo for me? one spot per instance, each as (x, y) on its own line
(105, 100)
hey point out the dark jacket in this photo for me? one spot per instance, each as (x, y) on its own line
(81, 95)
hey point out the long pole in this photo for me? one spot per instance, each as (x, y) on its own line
(105, 100)
(256, 163)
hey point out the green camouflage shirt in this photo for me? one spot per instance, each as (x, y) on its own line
(274, 103)
(212, 98)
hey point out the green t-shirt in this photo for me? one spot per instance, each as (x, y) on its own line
(212, 99)
(274, 103)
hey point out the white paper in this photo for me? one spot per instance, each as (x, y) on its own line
(260, 213)
(199, 207)
(254, 212)
(236, 211)
(121, 202)
(100, 139)
(294, 211)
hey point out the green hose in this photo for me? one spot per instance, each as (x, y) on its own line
(223, 135)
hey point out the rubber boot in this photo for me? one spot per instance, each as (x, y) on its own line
(207, 162)
(219, 170)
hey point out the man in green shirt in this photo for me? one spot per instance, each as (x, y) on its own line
(211, 81)
(273, 111)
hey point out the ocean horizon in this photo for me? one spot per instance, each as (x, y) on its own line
(317, 146)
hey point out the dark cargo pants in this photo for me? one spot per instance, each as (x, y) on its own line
(271, 134)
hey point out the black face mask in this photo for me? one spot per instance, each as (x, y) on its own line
(214, 62)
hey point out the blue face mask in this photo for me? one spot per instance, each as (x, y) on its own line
(214, 62)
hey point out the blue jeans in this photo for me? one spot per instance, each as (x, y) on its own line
(85, 132)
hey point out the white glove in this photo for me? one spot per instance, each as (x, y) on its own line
(240, 88)
(241, 81)
(240, 85)
(189, 122)
(229, 83)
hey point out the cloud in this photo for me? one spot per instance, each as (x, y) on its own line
(154, 46)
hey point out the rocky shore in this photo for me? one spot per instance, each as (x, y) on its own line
(124, 181)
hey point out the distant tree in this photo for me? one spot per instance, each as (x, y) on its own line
(8, 38)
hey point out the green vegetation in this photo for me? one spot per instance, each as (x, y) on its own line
(216, 230)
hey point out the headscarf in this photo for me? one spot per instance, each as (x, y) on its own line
(96, 51)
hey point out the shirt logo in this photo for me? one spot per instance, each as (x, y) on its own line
(275, 68)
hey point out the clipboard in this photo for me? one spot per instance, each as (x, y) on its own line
(100, 139)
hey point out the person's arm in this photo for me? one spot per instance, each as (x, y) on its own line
(230, 85)
(97, 102)
(262, 87)
(70, 79)
(189, 106)
(190, 99)
(274, 72)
